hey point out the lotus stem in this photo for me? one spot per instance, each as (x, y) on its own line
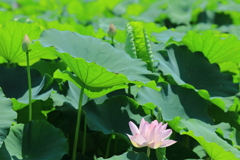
(112, 42)
(108, 146)
(148, 151)
(75, 143)
(129, 88)
(84, 135)
(29, 88)
(8, 64)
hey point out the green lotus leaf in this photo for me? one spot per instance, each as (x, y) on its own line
(72, 96)
(46, 67)
(12, 34)
(152, 13)
(174, 101)
(128, 156)
(40, 88)
(86, 11)
(7, 117)
(35, 140)
(99, 67)
(216, 147)
(216, 47)
(95, 50)
(10, 85)
(4, 153)
(169, 36)
(95, 80)
(193, 70)
(180, 11)
(113, 115)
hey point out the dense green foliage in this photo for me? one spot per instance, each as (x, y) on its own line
(175, 61)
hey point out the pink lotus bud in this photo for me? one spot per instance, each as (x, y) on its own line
(111, 31)
(25, 43)
(151, 135)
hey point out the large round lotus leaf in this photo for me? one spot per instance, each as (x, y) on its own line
(12, 34)
(129, 156)
(95, 50)
(98, 67)
(215, 46)
(113, 115)
(9, 84)
(20, 98)
(193, 70)
(176, 101)
(35, 140)
(204, 133)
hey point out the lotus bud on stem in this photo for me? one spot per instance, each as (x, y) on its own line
(25, 47)
(112, 32)
(25, 43)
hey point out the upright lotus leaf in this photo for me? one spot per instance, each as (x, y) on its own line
(216, 47)
(129, 156)
(205, 134)
(97, 59)
(35, 140)
(175, 101)
(11, 36)
(72, 96)
(95, 79)
(193, 70)
(4, 153)
(9, 85)
(41, 92)
(46, 67)
(7, 116)
(113, 115)
(137, 43)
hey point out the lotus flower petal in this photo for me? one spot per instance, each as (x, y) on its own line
(167, 143)
(133, 128)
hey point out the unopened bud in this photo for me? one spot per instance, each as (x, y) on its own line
(111, 31)
(25, 43)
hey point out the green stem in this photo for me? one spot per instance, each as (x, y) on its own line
(159, 115)
(108, 146)
(115, 145)
(29, 88)
(75, 143)
(84, 135)
(148, 151)
(8, 64)
(129, 89)
(236, 110)
(112, 41)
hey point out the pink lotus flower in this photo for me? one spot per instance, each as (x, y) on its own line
(151, 135)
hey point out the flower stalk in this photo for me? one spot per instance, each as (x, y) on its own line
(25, 47)
(75, 143)
(108, 146)
(84, 135)
(29, 88)
(148, 151)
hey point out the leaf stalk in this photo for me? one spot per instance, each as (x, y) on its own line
(29, 88)
(75, 143)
